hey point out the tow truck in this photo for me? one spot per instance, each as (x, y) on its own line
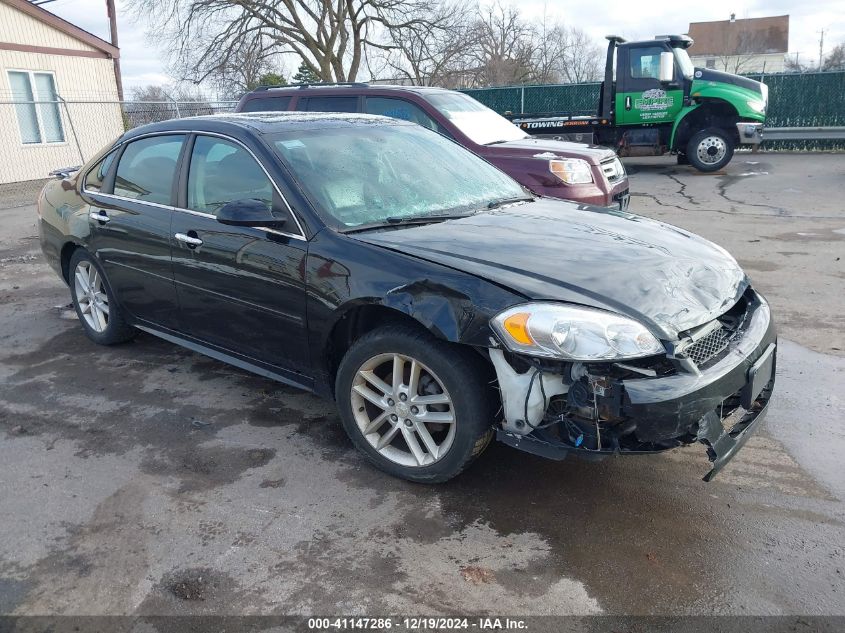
(654, 101)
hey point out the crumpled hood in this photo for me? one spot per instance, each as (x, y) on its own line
(663, 276)
(532, 146)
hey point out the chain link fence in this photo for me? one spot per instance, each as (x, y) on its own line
(38, 137)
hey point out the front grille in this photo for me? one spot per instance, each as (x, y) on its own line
(612, 169)
(709, 346)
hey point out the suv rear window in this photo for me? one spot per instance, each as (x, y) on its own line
(266, 104)
(331, 104)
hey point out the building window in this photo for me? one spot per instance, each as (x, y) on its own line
(36, 107)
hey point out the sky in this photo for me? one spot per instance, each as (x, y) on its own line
(142, 64)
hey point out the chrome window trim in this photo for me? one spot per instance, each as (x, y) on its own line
(125, 199)
(192, 212)
(299, 236)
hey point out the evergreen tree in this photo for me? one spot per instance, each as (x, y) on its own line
(305, 75)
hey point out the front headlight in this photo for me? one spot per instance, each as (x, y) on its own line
(572, 171)
(572, 333)
(756, 105)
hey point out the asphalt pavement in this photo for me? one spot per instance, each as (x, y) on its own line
(147, 479)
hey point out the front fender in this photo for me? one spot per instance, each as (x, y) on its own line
(343, 274)
(705, 93)
(679, 120)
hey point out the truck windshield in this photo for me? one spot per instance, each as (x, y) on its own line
(372, 174)
(684, 62)
(478, 122)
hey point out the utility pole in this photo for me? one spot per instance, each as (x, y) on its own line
(821, 48)
(113, 33)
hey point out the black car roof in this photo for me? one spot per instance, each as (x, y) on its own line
(260, 123)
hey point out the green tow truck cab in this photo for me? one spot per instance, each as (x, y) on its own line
(657, 102)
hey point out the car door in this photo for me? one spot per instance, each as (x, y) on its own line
(130, 214)
(640, 96)
(241, 289)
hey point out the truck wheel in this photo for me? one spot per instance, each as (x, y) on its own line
(710, 150)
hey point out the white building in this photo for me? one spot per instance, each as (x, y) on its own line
(58, 92)
(751, 45)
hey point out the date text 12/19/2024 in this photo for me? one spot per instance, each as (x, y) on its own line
(417, 624)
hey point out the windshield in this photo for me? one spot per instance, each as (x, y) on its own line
(366, 175)
(685, 63)
(478, 122)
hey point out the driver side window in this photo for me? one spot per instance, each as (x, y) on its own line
(221, 171)
(645, 62)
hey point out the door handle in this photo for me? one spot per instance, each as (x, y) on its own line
(192, 242)
(99, 216)
(628, 103)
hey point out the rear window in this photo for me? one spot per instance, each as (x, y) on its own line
(147, 168)
(266, 104)
(332, 104)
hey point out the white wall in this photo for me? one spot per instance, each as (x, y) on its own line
(85, 79)
(744, 64)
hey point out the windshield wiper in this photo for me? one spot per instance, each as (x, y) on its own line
(398, 220)
(495, 204)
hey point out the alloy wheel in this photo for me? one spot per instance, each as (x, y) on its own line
(711, 149)
(91, 296)
(403, 410)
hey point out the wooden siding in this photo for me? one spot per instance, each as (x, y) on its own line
(77, 79)
(18, 28)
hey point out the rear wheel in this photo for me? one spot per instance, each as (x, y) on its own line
(95, 304)
(710, 150)
(417, 407)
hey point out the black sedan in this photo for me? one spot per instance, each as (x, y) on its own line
(439, 304)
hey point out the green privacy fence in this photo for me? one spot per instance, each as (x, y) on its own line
(795, 99)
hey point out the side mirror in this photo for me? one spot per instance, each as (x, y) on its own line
(667, 67)
(248, 212)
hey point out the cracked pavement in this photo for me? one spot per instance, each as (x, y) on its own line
(780, 215)
(146, 479)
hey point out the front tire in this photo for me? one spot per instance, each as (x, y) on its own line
(417, 407)
(710, 150)
(95, 303)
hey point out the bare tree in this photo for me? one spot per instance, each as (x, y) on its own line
(549, 51)
(330, 36)
(232, 70)
(793, 65)
(159, 103)
(741, 49)
(581, 58)
(835, 60)
(436, 53)
(506, 47)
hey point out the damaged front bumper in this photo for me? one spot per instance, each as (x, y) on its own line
(720, 404)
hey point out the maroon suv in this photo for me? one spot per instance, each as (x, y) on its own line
(574, 171)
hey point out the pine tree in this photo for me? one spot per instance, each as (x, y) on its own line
(305, 75)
